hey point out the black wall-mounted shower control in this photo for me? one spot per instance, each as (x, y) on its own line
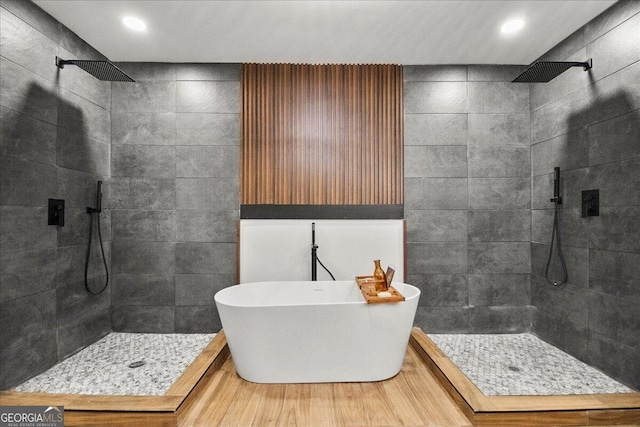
(590, 203)
(56, 212)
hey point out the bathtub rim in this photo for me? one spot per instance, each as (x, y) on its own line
(415, 293)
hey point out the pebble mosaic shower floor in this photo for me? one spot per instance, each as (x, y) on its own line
(103, 367)
(522, 364)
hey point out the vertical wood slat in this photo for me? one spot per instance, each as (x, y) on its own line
(322, 134)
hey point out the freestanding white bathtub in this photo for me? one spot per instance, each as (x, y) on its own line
(311, 332)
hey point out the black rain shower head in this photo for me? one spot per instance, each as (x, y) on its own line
(545, 71)
(101, 70)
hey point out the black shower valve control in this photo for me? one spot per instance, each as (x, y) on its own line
(55, 213)
(590, 203)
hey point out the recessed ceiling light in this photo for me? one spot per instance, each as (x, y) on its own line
(134, 24)
(512, 26)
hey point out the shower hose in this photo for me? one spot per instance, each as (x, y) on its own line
(555, 235)
(96, 213)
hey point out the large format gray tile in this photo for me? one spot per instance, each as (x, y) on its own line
(567, 151)
(499, 193)
(615, 139)
(572, 183)
(560, 52)
(615, 273)
(499, 226)
(437, 257)
(144, 225)
(143, 128)
(499, 257)
(28, 316)
(137, 193)
(435, 97)
(83, 117)
(499, 129)
(499, 162)
(499, 289)
(79, 152)
(614, 16)
(26, 46)
(572, 227)
(207, 193)
(616, 94)
(441, 290)
(143, 97)
(567, 300)
(77, 188)
(34, 16)
(616, 229)
(143, 161)
(435, 193)
(77, 46)
(436, 225)
(207, 161)
(83, 84)
(615, 49)
(25, 183)
(74, 304)
(576, 260)
(617, 360)
(500, 319)
(37, 353)
(494, 73)
(618, 182)
(568, 82)
(143, 318)
(143, 289)
(556, 329)
(562, 116)
(27, 93)
(442, 320)
(206, 226)
(143, 257)
(435, 129)
(208, 97)
(435, 161)
(198, 71)
(435, 73)
(498, 97)
(76, 227)
(197, 320)
(199, 289)
(205, 258)
(207, 129)
(615, 318)
(27, 273)
(73, 337)
(152, 71)
(25, 228)
(26, 138)
(71, 261)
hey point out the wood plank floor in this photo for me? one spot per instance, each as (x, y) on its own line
(414, 397)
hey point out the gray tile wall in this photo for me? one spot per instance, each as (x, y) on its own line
(174, 194)
(54, 143)
(588, 123)
(467, 197)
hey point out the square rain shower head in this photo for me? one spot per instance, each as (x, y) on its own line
(101, 70)
(545, 71)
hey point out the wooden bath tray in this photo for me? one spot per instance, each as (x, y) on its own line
(368, 289)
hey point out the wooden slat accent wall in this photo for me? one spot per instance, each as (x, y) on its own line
(322, 134)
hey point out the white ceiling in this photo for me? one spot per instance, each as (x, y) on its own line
(340, 31)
